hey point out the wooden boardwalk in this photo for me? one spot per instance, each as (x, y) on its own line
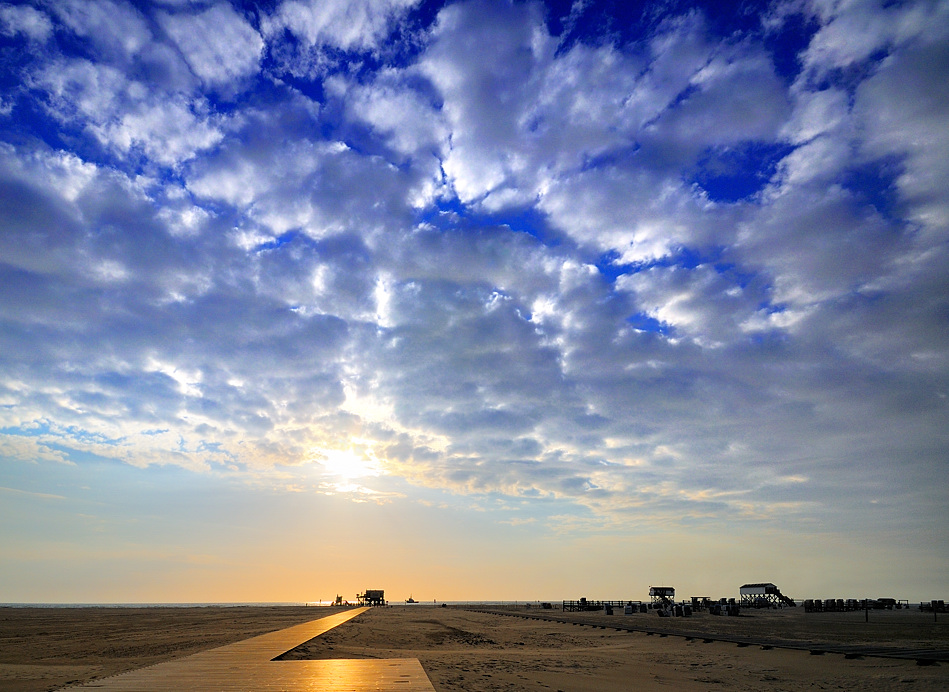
(248, 665)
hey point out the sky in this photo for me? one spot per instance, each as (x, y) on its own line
(473, 300)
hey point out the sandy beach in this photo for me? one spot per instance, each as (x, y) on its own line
(46, 649)
(49, 648)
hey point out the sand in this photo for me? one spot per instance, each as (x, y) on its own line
(48, 648)
(43, 649)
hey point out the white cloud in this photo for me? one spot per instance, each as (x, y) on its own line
(640, 216)
(738, 98)
(901, 111)
(318, 187)
(815, 113)
(484, 63)
(238, 285)
(123, 114)
(40, 226)
(117, 383)
(702, 303)
(29, 449)
(525, 122)
(820, 160)
(25, 20)
(218, 44)
(397, 114)
(346, 24)
(852, 31)
(115, 28)
(801, 237)
(81, 88)
(521, 115)
(169, 132)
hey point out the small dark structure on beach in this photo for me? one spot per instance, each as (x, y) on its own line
(662, 596)
(701, 603)
(765, 595)
(840, 605)
(372, 597)
(585, 606)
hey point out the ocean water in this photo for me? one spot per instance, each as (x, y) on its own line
(261, 604)
(152, 605)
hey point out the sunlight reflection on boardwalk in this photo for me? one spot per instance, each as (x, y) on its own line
(249, 665)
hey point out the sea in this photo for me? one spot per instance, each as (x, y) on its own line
(260, 604)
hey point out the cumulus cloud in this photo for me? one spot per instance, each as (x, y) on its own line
(851, 32)
(404, 118)
(123, 115)
(346, 25)
(218, 44)
(116, 29)
(315, 187)
(647, 276)
(899, 110)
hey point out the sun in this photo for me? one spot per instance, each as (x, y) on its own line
(347, 465)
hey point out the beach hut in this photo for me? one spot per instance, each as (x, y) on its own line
(662, 596)
(765, 595)
(372, 597)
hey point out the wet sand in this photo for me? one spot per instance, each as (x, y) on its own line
(44, 649)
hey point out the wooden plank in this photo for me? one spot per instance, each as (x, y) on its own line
(335, 675)
(268, 646)
(248, 665)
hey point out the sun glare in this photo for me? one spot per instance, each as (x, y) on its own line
(344, 464)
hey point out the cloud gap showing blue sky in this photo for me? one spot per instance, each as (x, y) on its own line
(664, 282)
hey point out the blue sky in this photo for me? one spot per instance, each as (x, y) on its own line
(473, 299)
